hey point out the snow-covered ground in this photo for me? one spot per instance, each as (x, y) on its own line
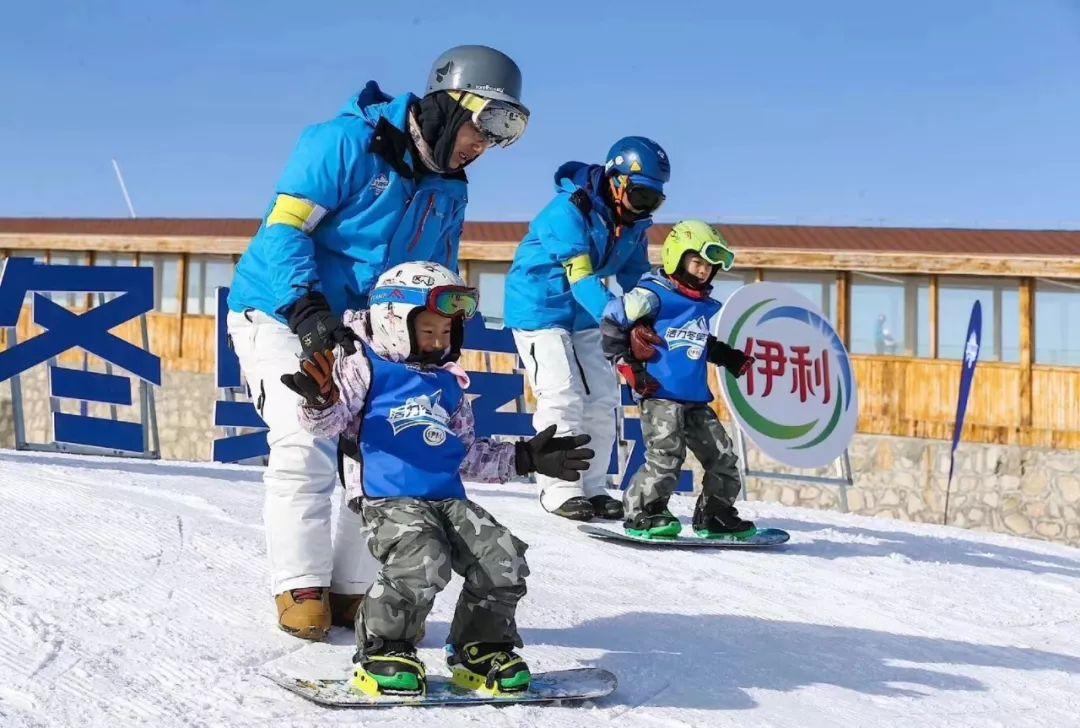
(134, 593)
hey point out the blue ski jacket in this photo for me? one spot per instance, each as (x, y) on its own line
(347, 208)
(557, 277)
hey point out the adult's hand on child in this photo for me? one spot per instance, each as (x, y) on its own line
(315, 380)
(319, 328)
(639, 379)
(556, 457)
(643, 341)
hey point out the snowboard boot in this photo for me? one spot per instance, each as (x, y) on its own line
(343, 608)
(576, 509)
(304, 613)
(720, 521)
(390, 669)
(606, 507)
(654, 522)
(492, 668)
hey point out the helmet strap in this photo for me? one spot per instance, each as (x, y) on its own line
(623, 214)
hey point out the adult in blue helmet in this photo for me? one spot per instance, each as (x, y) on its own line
(556, 291)
(380, 184)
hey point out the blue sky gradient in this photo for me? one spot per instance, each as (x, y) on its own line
(959, 113)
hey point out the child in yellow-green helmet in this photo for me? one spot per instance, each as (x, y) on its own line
(659, 336)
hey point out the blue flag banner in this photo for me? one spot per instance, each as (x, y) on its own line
(972, 343)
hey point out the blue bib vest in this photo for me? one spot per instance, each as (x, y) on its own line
(680, 364)
(406, 446)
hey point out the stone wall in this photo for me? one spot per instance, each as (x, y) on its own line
(185, 404)
(1025, 491)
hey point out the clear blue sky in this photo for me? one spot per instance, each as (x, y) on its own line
(942, 112)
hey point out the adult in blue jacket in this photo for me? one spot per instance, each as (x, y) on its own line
(556, 292)
(380, 184)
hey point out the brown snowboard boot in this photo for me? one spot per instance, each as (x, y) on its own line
(343, 608)
(304, 613)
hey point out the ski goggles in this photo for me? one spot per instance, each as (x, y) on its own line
(718, 254)
(640, 197)
(448, 301)
(500, 122)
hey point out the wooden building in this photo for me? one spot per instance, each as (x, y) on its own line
(899, 297)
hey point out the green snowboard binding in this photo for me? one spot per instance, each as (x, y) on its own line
(654, 526)
(489, 668)
(391, 669)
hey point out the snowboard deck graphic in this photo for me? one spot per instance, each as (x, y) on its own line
(546, 687)
(764, 537)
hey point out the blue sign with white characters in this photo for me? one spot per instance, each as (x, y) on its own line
(133, 288)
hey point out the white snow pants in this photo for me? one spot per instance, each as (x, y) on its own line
(576, 391)
(301, 477)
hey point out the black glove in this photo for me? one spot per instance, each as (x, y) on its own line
(319, 329)
(615, 341)
(735, 361)
(315, 381)
(556, 457)
(638, 377)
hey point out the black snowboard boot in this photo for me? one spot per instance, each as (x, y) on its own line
(606, 507)
(654, 522)
(714, 519)
(576, 509)
(488, 667)
(392, 668)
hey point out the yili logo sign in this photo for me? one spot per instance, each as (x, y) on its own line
(798, 402)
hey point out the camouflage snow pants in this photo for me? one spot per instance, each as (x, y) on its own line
(668, 428)
(418, 542)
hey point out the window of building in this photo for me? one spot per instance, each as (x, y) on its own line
(37, 255)
(64, 257)
(724, 284)
(890, 314)
(205, 274)
(489, 279)
(1057, 322)
(114, 259)
(820, 288)
(1000, 300)
(166, 281)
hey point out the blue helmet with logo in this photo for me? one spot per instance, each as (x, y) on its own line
(641, 159)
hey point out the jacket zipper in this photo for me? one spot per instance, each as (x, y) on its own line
(423, 222)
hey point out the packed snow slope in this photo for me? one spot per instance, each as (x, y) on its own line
(135, 593)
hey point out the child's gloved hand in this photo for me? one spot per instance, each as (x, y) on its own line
(315, 381)
(643, 341)
(639, 379)
(556, 457)
(735, 361)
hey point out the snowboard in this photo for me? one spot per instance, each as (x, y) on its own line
(764, 537)
(546, 687)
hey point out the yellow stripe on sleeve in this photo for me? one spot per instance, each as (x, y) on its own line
(578, 268)
(296, 212)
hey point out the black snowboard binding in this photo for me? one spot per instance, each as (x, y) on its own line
(717, 520)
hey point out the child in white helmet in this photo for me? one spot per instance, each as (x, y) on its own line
(400, 399)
